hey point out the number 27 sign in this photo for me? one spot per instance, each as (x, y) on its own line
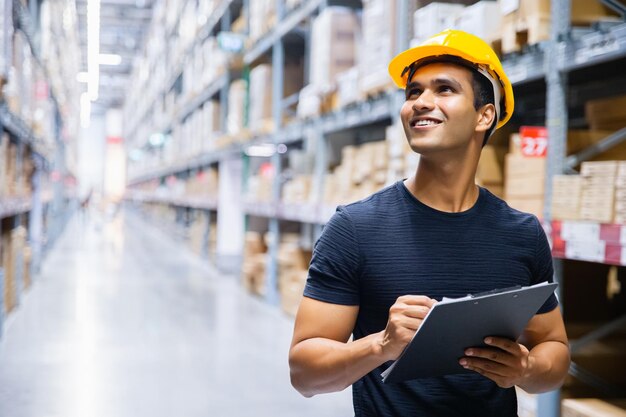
(534, 140)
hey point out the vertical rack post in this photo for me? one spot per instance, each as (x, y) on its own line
(549, 404)
(278, 62)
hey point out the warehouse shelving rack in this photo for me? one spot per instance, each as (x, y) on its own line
(43, 211)
(551, 62)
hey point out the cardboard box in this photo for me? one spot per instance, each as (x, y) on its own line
(434, 18)
(592, 407)
(378, 45)
(236, 102)
(606, 113)
(348, 87)
(607, 169)
(260, 111)
(489, 170)
(524, 186)
(518, 165)
(481, 19)
(333, 49)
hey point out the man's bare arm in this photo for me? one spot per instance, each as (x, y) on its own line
(321, 358)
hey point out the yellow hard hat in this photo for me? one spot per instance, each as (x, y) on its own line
(467, 47)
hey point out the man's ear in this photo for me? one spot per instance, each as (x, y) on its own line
(486, 116)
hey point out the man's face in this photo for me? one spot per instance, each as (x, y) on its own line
(439, 113)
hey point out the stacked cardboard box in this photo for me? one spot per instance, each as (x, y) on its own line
(348, 87)
(28, 257)
(297, 190)
(255, 260)
(598, 191)
(262, 18)
(593, 407)
(8, 264)
(260, 113)
(236, 103)
(205, 183)
(606, 114)
(363, 171)
(566, 197)
(378, 45)
(433, 18)
(481, 19)
(489, 172)
(259, 188)
(4, 150)
(333, 49)
(528, 22)
(293, 265)
(402, 160)
(524, 183)
(620, 193)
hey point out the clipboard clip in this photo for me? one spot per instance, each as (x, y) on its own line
(496, 291)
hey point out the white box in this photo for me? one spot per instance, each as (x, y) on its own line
(378, 44)
(481, 19)
(260, 96)
(333, 48)
(434, 18)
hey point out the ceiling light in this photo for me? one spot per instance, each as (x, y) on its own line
(110, 59)
(82, 77)
(262, 151)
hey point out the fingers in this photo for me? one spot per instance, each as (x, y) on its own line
(505, 344)
(417, 300)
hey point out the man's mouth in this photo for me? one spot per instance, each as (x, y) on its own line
(424, 122)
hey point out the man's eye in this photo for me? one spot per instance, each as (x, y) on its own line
(446, 89)
(412, 92)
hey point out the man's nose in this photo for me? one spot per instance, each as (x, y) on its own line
(424, 101)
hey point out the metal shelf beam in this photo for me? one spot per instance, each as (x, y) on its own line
(285, 26)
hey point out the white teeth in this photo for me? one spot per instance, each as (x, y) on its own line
(426, 123)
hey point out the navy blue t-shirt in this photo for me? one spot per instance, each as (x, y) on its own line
(390, 244)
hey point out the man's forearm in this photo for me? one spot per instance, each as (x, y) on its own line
(322, 365)
(548, 366)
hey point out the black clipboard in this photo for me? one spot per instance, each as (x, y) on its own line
(454, 325)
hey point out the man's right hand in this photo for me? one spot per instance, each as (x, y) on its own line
(405, 318)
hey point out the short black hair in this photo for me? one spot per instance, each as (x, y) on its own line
(481, 86)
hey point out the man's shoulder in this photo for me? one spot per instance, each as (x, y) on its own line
(507, 215)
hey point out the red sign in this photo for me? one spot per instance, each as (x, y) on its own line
(534, 141)
(113, 140)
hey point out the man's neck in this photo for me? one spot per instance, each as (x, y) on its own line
(445, 186)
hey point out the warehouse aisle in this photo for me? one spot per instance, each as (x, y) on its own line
(124, 322)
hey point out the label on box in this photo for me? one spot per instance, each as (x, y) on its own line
(622, 236)
(580, 231)
(585, 251)
(534, 141)
(623, 257)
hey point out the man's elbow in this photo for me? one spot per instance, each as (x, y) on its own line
(297, 377)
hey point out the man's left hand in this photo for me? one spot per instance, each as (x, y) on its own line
(505, 362)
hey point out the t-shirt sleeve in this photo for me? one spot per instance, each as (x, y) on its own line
(544, 269)
(335, 266)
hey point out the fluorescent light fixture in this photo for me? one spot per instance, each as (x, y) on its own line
(263, 151)
(110, 59)
(85, 110)
(82, 77)
(93, 47)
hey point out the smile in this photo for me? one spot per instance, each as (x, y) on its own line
(425, 122)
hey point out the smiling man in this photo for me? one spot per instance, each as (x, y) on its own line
(383, 262)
